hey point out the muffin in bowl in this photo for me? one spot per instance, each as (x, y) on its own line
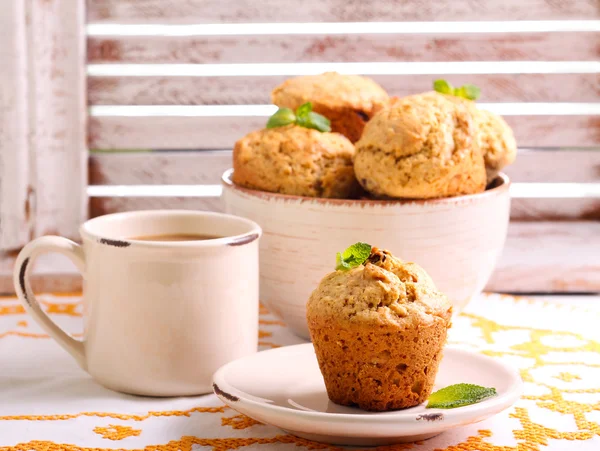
(493, 135)
(421, 147)
(295, 160)
(496, 140)
(378, 330)
(349, 101)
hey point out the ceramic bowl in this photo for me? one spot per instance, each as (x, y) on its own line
(457, 240)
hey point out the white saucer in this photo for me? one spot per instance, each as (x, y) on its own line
(284, 387)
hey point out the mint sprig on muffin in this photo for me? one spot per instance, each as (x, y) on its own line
(352, 257)
(470, 92)
(303, 117)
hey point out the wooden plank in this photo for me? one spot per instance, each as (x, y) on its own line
(555, 209)
(555, 131)
(58, 115)
(45, 157)
(538, 257)
(217, 11)
(549, 257)
(159, 168)
(560, 46)
(206, 167)
(562, 166)
(244, 90)
(183, 132)
(105, 205)
(188, 132)
(15, 208)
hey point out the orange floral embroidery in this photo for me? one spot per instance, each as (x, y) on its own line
(271, 322)
(117, 416)
(268, 344)
(117, 432)
(62, 309)
(264, 334)
(12, 310)
(567, 377)
(239, 422)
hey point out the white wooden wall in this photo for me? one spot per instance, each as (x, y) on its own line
(43, 152)
(201, 79)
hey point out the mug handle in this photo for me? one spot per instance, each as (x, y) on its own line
(23, 265)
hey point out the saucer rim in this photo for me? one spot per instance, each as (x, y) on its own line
(485, 408)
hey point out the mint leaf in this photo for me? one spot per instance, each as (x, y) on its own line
(283, 116)
(459, 395)
(315, 121)
(340, 263)
(352, 257)
(470, 92)
(467, 91)
(304, 117)
(304, 109)
(443, 87)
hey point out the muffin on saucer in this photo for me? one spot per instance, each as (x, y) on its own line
(423, 146)
(378, 330)
(349, 101)
(295, 160)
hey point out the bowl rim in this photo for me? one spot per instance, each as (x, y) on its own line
(502, 188)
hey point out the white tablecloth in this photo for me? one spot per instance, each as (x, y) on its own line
(48, 403)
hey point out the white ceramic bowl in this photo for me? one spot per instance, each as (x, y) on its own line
(457, 240)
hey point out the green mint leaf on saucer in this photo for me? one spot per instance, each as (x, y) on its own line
(283, 116)
(443, 87)
(315, 121)
(470, 92)
(304, 109)
(352, 257)
(459, 395)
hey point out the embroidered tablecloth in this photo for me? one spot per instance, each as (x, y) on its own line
(48, 403)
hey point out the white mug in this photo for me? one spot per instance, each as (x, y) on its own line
(160, 316)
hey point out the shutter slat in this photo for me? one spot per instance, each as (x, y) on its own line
(179, 132)
(244, 11)
(256, 90)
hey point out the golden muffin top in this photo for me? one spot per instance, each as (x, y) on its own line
(494, 136)
(332, 90)
(383, 290)
(496, 140)
(295, 160)
(428, 123)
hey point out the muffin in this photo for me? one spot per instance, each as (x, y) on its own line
(349, 101)
(423, 146)
(496, 140)
(494, 137)
(295, 160)
(378, 331)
